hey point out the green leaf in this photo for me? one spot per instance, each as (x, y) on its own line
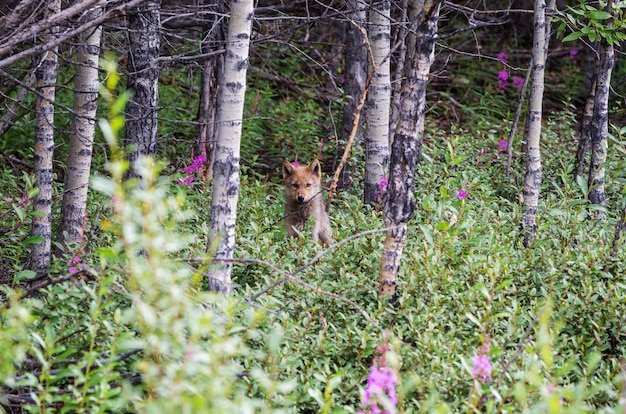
(25, 274)
(33, 240)
(317, 395)
(19, 212)
(474, 319)
(598, 15)
(573, 36)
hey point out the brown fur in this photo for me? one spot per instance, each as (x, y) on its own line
(303, 198)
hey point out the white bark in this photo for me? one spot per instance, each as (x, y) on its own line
(600, 129)
(226, 179)
(144, 40)
(407, 143)
(532, 178)
(74, 206)
(378, 100)
(44, 148)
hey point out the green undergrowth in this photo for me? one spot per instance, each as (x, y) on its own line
(139, 333)
(464, 276)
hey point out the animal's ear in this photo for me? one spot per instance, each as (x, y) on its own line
(315, 168)
(287, 169)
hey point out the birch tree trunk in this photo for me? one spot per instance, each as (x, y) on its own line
(399, 39)
(44, 149)
(355, 77)
(600, 128)
(407, 143)
(226, 179)
(74, 205)
(378, 101)
(532, 138)
(585, 129)
(144, 24)
(209, 86)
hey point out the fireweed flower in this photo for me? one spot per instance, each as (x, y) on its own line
(382, 187)
(503, 57)
(74, 264)
(381, 383)
(481, 364)
(196, 165)
(503, 144)
(518, 82)
(461, 195)
(503, 77)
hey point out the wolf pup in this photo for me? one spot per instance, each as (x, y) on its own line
(303, 197)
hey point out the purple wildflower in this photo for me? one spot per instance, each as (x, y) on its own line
(572, 56)
(503, 57)
(342, 79)
(461, 195)
(481, 364)
(481, 368)
(503, 144)
(382, 187)
(518, 82)
(75, 264)
(503, 77)
(24, 202)
(254, 110)
(196, 165)
(381, 383)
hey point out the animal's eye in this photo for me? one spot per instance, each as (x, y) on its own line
(308, 185)
(294, 185)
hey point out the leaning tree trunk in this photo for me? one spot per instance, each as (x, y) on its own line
(399, 40)
(532, 138)
(378, 101)
(74, 206)
(44, 149)
(144, 25)
(213, 38)
(227, 149)
(600, 129)
(405, 149)
(355, 77)
(584, 141)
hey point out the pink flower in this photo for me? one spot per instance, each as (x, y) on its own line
(461, 195)
(503, 144)
(503, 77)
(503, 57)
(481, 364)
(381, 383)
(572, 56)
(75, 264)
(518, 82)
(196, 165)
(481, 368)
(382, 187)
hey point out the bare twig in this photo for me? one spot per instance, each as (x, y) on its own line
(518, 112)
(518, 352)
(97, 362)
(286, 276)
(357, 117)
(289, 276)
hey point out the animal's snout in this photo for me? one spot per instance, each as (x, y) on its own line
(300, 198)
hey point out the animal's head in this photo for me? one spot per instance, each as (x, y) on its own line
(302, 182)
